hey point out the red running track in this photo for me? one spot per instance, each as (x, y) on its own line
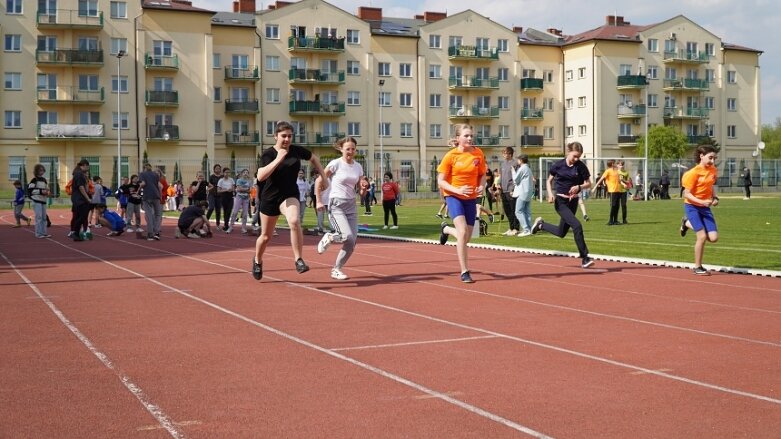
(128, 338)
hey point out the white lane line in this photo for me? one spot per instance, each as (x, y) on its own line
(412, 343)
(162, 419)
(399, 379)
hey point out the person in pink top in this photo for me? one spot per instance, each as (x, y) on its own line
(390, 193)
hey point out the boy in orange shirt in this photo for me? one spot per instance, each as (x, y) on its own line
(698, 183)
(613, 185)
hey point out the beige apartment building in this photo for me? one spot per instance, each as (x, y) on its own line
(186, 86)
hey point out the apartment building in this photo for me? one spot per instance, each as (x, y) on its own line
(172, 83)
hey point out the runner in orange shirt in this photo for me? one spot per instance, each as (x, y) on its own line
(698, 183)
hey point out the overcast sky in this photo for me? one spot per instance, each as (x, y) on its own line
(753, 23)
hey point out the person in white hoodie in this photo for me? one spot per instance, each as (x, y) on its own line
(523, 194)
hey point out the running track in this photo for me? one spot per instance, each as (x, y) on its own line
(120, 337)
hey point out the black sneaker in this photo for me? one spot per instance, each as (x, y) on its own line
(700, 271)
(684, 229)
(439, 215)
(491, 218)
(301, 266)
(585, 217)
(537, 226)
(587, 262)
(466, 278)
(442, 235)
(156, 236)
(257, 270)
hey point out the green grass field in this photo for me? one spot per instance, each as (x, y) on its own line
(749, 233)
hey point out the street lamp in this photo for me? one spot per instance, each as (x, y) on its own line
(645, 162)
(382, 156)
(758, 153)
(119, 55)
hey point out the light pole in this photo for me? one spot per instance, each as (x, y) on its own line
(120, 54)
(382, 155)
(645, 162)
(758, 153)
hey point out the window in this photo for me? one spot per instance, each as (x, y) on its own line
(385, 129)
(669, 101)
(88, 8)
(353, 68)
(13, 7)
(383, 69)
(272, 63)
(653, 72)
(354, 129)
(435, 71)
(15, 165)
(581, 130)
(710, 102)
(732, 104)
(504, 102)
(13, 119)
(710, 75)
(691, 48)
(669, 46)
(581, 101)
(547, 75)
(435, 131)
(118, 44)
(405, 70)
(405, 129)
(272, 31)
(482, 43)
(710, 130)
(217, 94)
(502, 46)
(653, 100)
(581, 73)
(217, 127)
(435, 41)
(119, 84)
(732, 77)
(12, 81)
(569, 103)
(118, 10)
(503, 73)
(272, 95)
(88, 82)
(385, 99)
(670, 73)
(732, 131)
(547, 104)
(710, 49)
(435, 100)
(270, 127)
(13, 43)
(353, 98)
(353, 36)
(625, 69)
(568, 75)
(528, 73)
(216, 61)
(405, 99)
(570, 131)
(92, 118)
(123, 120)
(653, 45)
(625, 129)
(483, 131)
(547, 132)
(454, 41)
(162, 48)
(504, 131)
(47, 117)
(481, 73)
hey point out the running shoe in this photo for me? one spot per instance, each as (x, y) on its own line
(684, 229)
(439, 215)
(301, 266)
(587, 262)
(442, 235)
(491, 218)
(193, 235)
(466, 278)
(585, 217)
(325, 241)
(537, 226)
(701, 271)
(257, 269)
(394, 227)
(338, 274)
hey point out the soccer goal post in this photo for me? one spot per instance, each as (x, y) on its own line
(597, 166)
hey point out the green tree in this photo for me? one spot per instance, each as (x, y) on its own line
(664, 142)
(771, 135)
(205, 164)
(233, 161)
(145, 159)
(177, 174)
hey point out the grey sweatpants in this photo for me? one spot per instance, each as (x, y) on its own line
(343, 215)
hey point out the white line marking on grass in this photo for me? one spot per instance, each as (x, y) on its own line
(156, 412)
(413, 343)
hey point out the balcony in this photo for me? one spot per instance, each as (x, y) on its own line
(531, 114)
(473, 112)
(629, 111)
(531, 84)
(686, 57)
(472, 53)
(686, 113)
(317, 139)
(70, 95)
(82, 58)
(158, 98)
(316, 108)
(161, 62)
(695, 85)
(472, 83)
(315, 44)
(531, 140)
(627, 140)
(241, 74)
(69, 19)
(162, 133)
(70, 131)
(242, 106)
(246, 138)
(698, 140)
(487, 140)
(315, 76)
(631, 81)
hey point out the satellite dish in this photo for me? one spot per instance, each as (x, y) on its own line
(166, 137)
(629, 104)
(754, 153)
(460, 112)
(761, 145)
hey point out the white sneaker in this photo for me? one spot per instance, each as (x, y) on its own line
(394, 227)
(177, 233)
(384, 227)
(229, 229)
(193, 235)
(139, 229)
(512, 233)
(338, 275)
(322, 246)
(525, 233)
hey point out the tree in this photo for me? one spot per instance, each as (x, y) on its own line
(146, 159)
(177, 174)
(233, 161)
(664, 142)
(205, 164)
(771, 135)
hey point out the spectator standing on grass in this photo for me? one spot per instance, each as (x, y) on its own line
(567, 178)
(19, 199)
(611, 181)
(664, 186)
(372, 191)
(523, 194)
(151, 190)
(625, 183)
(489, 191)
(699, 196)
(214, 202)
(363, 191)
(746, 176)
(80, 200)
(38, 189)
(507, 185)
(390, 193)
(226, 186)
(638, 186)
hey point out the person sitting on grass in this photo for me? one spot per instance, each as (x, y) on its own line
(193, 222)
(110, 220)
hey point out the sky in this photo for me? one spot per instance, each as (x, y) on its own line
(752, 23)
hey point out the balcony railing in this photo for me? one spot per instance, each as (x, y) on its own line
(472, 82)
(70, 95)
(242, 106)
(531, 84)
(317, 138)
(316, 108)
(686, 113)
(59, 131)
(686, 57)
(687, 84)
(532, 140)
(628, 140)
(473, 112)
(632, 81)
(70, 57)
(698, 140)
(315, 44)
(314, 76)
(487, 140)
(161, 62)
(163, 132)
(531, 113)
(69, 19)
(241, 74)
(169, 98)
(245, 138)
(628, 111)
(472, 53)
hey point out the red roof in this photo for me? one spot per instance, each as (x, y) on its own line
(173, 5)
(626, 32)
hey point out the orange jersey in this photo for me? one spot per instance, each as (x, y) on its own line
(699, 181)
(612, 180)
(463, 169)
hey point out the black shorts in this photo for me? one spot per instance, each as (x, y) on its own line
(270, 207)
(184, 226)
